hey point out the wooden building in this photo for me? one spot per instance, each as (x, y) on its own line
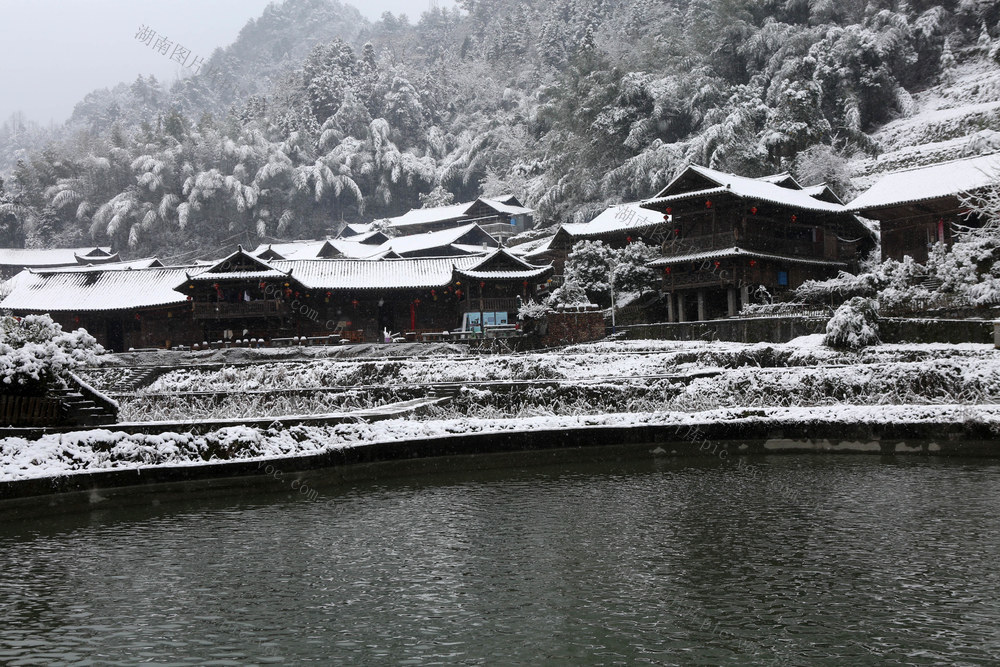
(500, 217)
(243, 296)
(919, 207)
(728, 236)
(121, 305)
(15, 260)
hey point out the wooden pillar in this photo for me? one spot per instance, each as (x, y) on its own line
(731, 293)
(671, 308)
(701, 305)
(680, 307)
(744, 295)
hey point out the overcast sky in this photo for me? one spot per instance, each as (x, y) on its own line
(57, 51)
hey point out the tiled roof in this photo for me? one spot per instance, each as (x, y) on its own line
(725, 253)
(361, 274)
(924, 183)
(506, 275)
(54, 256)
(420, 216)
(293, 249)
(96, 289)
(621, 218)
(746, 188)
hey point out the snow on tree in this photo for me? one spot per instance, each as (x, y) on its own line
(853, 326)
(36, 353)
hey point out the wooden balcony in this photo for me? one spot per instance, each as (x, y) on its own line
(492, 305)
(240, 310)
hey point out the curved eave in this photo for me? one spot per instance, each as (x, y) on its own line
(534, 274)
(85, 308)
(816, 205)
(730, 253)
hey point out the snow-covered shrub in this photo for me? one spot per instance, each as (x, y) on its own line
(35, 352)
(853, 326)
(589, 266)
(631, 272)
(570, 293)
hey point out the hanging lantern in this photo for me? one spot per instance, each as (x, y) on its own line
(794, 218)
(287, 285)
(666, 269)
(717, 264)
(482, 284)
(753, 210)
(525, 283)
(458, 283)
(416, 302)
(628, 239)
(434, 295)
(708, 203)
(190, 286)
(355, 304)
(76, 319)
(753, 262)
(669, 210)
(138, 316)
(189, 298)
(262, 285)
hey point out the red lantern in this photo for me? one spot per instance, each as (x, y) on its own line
(708, 204)
(628, 239)
(666, 270)
(717, 264)
(669, 210)
(794, 218)
(753, 211)
(138, 316)
(753, 262)
(329, 293)
(482, 284)
(355, 304)
(416, 302)
(76, 318)
(262, 285)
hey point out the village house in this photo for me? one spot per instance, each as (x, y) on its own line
(243, 297)
(15, 260)
(501, 217)
(919, 207)
(123, 305)
(725, 238)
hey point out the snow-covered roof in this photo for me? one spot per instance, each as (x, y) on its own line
(924, 183)
(294, 249)
(354, 229)
(54, 256)
(725, 253)
(422, 216)
(532, 248)
(361, 275)
(403, 273)
(95, 289)
(145, 263)
(623, 217)
(743, 187)
(403, 245)
(351, 249)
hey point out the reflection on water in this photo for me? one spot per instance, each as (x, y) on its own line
(810, 561)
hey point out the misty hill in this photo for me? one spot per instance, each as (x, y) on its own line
(315, 116)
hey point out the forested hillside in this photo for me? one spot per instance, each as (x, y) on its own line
(314, 115)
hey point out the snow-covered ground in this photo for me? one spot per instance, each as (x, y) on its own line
(615, 383)
(103, 449)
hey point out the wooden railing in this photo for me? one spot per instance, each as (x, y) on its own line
(492, 305)
(225, 310)
(28, 410)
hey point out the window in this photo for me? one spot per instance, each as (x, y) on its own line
(783, 278)
(471, 321)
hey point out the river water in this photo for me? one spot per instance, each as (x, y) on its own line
(790, 560)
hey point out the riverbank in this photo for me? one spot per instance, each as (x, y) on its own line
(86, 461)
